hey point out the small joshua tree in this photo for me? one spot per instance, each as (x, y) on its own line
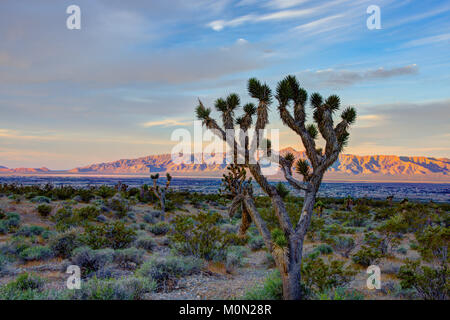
(160, 192)
(290, 96)
(235, 182)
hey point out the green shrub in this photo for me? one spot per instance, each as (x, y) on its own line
(429, 283)
(272, 289)
(88, 213)
(341, 294)
(36, 253)
(109, 235)
(159, 228)
(324, 249)
(24, 287)
(167, 270)
(279, 238)
(200, 235)
(28, 231)
(111, 289)
(41, 199)
(342, 245)
(145, 242)
(44, 210)
(359, 216)
(125, 257)
(256, 243)
(63, 243)
(366, 256)
(90, 260)
(319, 276)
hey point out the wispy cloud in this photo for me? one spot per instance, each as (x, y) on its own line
(445, 37)
(319, 25)
(166, 123)
(342, 78)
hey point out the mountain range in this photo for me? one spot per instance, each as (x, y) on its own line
(347, 168)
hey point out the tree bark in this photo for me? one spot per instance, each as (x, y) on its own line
(246, 221)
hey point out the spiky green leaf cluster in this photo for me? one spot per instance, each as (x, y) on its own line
(221, 105)
(312, 130)
(250, 109)
(233, 101)
(202, 113)
(302, 167)
(154, 176)
(289, 157)
(289, 89)
(259, 91)
(349, 115)
(316, 100)
(333, 103)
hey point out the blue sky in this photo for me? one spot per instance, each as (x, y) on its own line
(118, 87)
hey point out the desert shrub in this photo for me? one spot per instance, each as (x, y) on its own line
(36, 253)
(28, 231)
(315, 227)
(44, 210)
(63, 243)
(366, 256)
(341, 294)
(200, 235)
(4, 261)
(283, 191)
(377, 242)
(342, 245)
(319, 276)
(359, 216)
(90, 260)
(64, 219)
(159, 228)
(272, 289)
(149, 218)
(324, 249)
(41, 199)
(133, 288)
(433, 244)
(167, 270)
(256, 243)
(145, 242)
(429, 283)
(85, 195)
(129, 256)
(105, 192)
(384, 213)
(279, 238)
(109, 235)
(88, 213)
(119, 205)
(25, 287)
(391, 231)
(235, 257)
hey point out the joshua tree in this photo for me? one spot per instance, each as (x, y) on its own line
(235, 182)
(160, 192)
(319, 206)
(290, 97)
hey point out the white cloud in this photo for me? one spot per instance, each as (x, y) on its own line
(429, 40)
(165, 123)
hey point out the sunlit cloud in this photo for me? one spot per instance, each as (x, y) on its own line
(166, 123)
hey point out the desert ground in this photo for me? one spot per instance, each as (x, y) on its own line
(126, 248)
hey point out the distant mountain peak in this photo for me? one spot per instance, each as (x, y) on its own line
(348, 167)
